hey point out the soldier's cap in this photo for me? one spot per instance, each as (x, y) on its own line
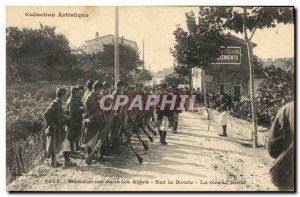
(105, 84)
(89, 84)
(120, 83)
(97, 85)
(74, 89)
(60, 92)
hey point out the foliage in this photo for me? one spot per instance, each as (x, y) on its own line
(275, 91)
(24, 111)
(173, 79)
(42, 55)
(141, 76)
(199, 46)
(242, 108)
(258, 66)
(232, 18)
(101, 66)
(37, 54)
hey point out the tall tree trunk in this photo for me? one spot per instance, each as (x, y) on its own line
(253, 104)
(250, 58)
(204, 93)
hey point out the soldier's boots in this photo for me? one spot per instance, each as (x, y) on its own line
(224, 134)
(160, 137)
(57, 164)
(164, 134)
(68, 162)
(175, 127)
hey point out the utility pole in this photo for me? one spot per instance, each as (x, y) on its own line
(143, 55)
(117, 62)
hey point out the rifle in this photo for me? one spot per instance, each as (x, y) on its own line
(54, 149)
(101, 139)
(150, 128)
(209, 112)
(135, 128)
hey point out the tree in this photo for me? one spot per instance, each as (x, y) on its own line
(199, 46)
(246, 20)
(37, 54)
(142, 75)
(258, 68)
(173, 79)
(100, 65)
(276, 90)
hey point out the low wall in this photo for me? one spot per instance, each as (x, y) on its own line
(240, 127)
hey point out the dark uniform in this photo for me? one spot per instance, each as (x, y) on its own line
(56, 134)
(118, 118)
(92, 120)
(281, 138)
(75, 109)
(177, 111)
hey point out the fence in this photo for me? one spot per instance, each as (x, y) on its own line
(24, 155)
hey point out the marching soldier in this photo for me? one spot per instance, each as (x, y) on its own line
(223, 106)
(163, 118)
(75, 109)
(89, 86)
(176, 110)
(56, 134)
(79, 136)
(81, 91)
(107, 102)
(115, 138)
(92, 117)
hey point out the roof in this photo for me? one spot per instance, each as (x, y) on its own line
(238, 39)
(110, 35)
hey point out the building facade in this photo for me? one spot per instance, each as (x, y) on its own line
(231, 70)
(95, 45)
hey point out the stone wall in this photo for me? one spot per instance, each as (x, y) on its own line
(240, 127)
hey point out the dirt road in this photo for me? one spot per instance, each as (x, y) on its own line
(194, 160)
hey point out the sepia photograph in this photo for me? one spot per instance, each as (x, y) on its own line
(150, 98)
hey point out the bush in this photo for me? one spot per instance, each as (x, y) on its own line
(24, 111)
(242, 109)
(275, 91)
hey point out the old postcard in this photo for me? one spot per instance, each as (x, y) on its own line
(152, 99)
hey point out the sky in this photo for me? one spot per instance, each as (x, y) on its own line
(153, 24)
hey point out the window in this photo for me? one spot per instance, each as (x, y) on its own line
(237, 91)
